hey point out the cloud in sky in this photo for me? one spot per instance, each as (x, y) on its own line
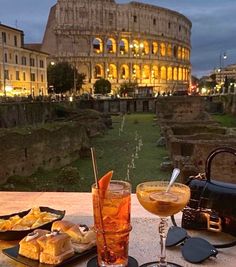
(213, 30)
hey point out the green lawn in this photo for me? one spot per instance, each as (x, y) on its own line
(114, 152)
(226, 120)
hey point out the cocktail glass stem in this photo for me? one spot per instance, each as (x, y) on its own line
(163, 229)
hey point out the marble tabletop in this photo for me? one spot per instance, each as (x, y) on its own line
(144, 242)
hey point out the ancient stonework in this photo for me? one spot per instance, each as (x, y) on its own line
(134, 42)
(191, 135)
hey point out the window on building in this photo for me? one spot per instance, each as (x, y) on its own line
(5, 57)
(32, 77)
(4, 37)
(32, 62)
(16, 59)
(42, 78)
(154, 22)
(135, 18)
(24, 76)
(15, 40)
(23, 61)
(41, 64)
(110, 18)
(169, 25)
(17, 75)
(6, 74)
(179, 28)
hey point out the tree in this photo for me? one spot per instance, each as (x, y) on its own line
(64, 77)
(128, 88)
(102, 86)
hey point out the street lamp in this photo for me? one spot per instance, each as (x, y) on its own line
(223, 57)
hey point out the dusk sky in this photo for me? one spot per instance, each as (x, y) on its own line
(213, 30)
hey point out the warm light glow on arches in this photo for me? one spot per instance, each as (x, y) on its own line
(124, 72)
(124, 46)
(169, 50)
(175, 76)
(111, 45)
(112, 71)
(136, 73)
(163, 73)
(155, 72)
(180, 74)
(154, 48)
(169, 74)
(146, 72)
(97, 45)
(146, 49)
(98, 71)
(163, 49)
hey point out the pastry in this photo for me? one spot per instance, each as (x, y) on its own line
(55, 248)
(62, 226)
(29, 246)
(82, 237)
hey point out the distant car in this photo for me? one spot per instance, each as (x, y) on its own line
(180, 93)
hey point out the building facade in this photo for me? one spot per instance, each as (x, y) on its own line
(131, 42)
(23, 71)
(228, 71)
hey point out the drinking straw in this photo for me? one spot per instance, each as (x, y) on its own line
(95, 171)
(95, 168)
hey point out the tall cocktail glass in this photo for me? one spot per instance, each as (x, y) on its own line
(154, 198)
(111, 210)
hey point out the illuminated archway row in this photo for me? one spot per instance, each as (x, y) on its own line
(146, 72)
(139, 48)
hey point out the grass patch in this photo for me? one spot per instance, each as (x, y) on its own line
(114, 151)
(226, 120)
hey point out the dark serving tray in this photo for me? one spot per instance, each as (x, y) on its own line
(13, 254)
(19, 234)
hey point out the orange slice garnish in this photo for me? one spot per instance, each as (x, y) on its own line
(104, 182)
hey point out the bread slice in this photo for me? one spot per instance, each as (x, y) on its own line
(55, 248)
(29, 246)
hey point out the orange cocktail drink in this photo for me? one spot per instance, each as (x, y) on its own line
(112, 222)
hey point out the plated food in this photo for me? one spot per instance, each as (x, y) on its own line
(16, 226)
(64, 242)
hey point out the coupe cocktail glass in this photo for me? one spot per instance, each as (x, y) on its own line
(154, 198)
(111, 210)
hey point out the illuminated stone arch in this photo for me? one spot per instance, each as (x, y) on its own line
(134, 47)
(154, 48)
(98, 71)
(97, 45)
(124, 71)
(111, 45)
(163, 73)
(183, 53)
(175, 51)
(112, 71)
(169, 73)
(184, 74)
(180, 74)
(163, 49)
(179, 52)
(136, 72)
(146, 49)
(154, 72)
(123, 46)
(175, 74)
(146, 72)
(169, 50)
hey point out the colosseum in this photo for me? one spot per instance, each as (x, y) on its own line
(132, 42)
